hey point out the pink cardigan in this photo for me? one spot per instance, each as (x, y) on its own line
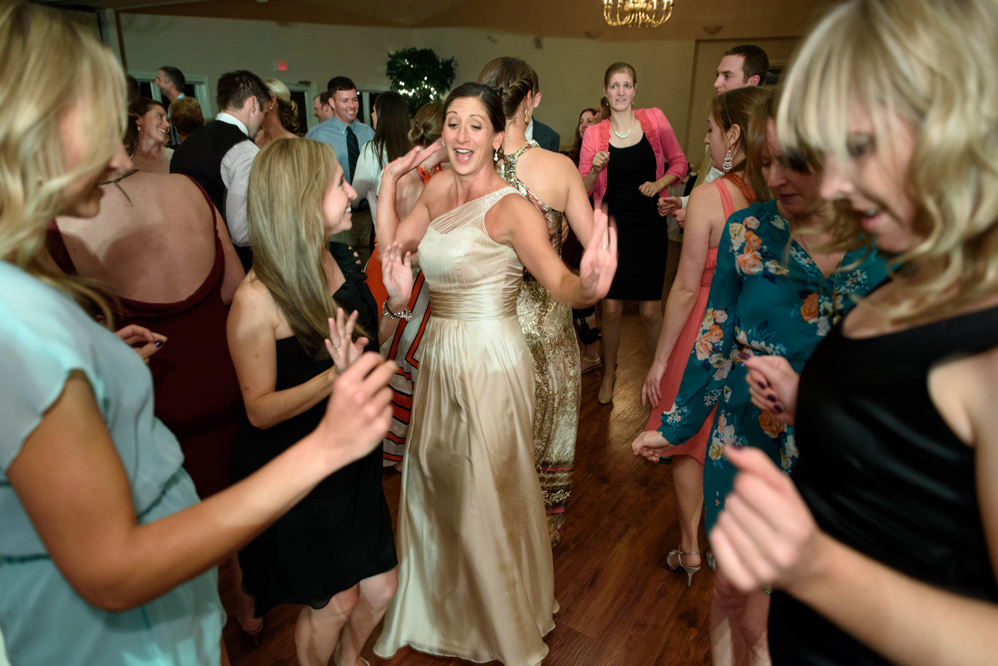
(661, 137)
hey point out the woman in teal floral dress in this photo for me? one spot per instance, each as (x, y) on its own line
(773, 293)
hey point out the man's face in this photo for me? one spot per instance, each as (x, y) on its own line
(323, 112)
(345, 104)
(730, 74)
(257, 113)
(162, 83)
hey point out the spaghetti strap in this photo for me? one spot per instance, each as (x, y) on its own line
(726, 201)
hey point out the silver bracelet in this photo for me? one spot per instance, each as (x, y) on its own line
(405, 314)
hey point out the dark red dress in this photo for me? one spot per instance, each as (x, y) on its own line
(194, 382)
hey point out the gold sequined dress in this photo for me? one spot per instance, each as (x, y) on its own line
(547, 327)
(476, 578)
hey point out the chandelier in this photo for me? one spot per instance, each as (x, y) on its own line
(637, 13)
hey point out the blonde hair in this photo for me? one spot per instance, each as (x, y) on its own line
(929, 66)
(287, 108)
(56, 60)
(287, 184)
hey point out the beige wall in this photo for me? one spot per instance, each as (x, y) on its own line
(675, 76)
(210, 47)
(708, 56)
(571, 70)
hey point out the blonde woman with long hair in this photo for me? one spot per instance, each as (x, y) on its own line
(281, 121)
(884, 548)
(107, 555)
(333, 554)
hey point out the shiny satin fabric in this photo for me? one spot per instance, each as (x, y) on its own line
(476, 577)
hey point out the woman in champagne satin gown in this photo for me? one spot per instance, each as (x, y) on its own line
(476, 578)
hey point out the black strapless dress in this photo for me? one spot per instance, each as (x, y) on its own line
(883, 473)
(341, 532)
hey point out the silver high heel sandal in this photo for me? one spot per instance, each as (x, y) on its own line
(679, 557)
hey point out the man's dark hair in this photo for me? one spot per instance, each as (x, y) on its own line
(132, 88)
(755, 60)
(324, 98)
(339, 83)
(234, 88)
(175, 76)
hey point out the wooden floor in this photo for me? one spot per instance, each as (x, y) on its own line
(620, 604)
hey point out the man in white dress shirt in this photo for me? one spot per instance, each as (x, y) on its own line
(219, 155)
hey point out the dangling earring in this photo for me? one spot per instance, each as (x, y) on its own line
(495, 155)
(526, 117)
(726, 167)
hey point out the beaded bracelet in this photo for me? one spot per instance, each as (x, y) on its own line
(405, 314)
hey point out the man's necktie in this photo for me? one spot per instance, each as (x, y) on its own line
(353, 152)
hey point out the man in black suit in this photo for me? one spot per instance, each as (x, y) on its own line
(545, 137)
(220, 154)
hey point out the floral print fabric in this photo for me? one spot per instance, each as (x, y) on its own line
(767, 296)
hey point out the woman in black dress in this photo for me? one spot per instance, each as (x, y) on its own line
(333, 553)
(646, 159)
(886, 550)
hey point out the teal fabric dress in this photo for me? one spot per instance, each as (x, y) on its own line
(767, 296)
(44, 336)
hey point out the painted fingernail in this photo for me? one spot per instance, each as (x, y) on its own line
(777, 409)
(158, 343)
(744, 354)
(771, 397)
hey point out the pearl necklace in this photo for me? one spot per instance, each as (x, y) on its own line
(624, 136)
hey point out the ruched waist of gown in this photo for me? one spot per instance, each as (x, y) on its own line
(471, 305)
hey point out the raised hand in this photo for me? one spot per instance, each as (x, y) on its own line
(410, 160)
(651, 391)
(600, 160)
(651, 445)
(599, 262)
(396, 274)
(766, 536)
(772, 385)
(141, 339)
(344, 352)
(666, 205)
(359, 410)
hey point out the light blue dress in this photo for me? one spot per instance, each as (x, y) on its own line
(44, 336)
(768, 297)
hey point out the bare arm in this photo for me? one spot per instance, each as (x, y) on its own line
(578, 212)
(234, 272)
(705, 215)
(251, 327)
(516, 222)
(410, 230)
(73, 486)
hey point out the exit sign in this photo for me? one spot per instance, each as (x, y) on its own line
(282, 65)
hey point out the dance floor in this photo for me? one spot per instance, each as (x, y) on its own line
(620, 604)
